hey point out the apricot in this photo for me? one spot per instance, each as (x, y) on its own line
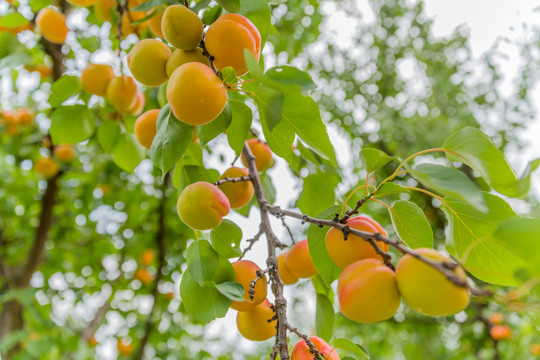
(96, 77)
(9, 118)
(254, 324)
(535, 349)
(52, 25)
(181, 57)
(195, 94)
(181, 27)
(426, 289)
(145, 127)
(301, 350)
(46, 166)
(368, 292)
(143, 276)
(127, 27)
(345, 252)
(102, 9)
(285, 274)
(44, 71)
(202, 206)
(147, 257)
(64, 152)
(154, 23)
(123, 348)
(500, 332)
(299, 260)
(83, 2)
(24, 116)
(138, 105)
(239, 193)
(496, 318)
(245, 272)
(147, 61)
(262, 153)
(227, 38)
(122, 93)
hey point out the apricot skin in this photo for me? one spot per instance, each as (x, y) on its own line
(227, 38)
(246, 272)
(64, 152)
(46, 167)
(138, 105)
(147, 61)
(367, 292)
(181, 57)
(239, 193)
(301, 350)
(427, 290)
(95, 78)
(202, 206)
(24, 117)
(181, 27)
(52, 25)
(195, 94)
(122, 93)
(154, 23)
(254, 325)
(299, 260)
(262, 153)
(500, 332)
(83, 2)
(285, 274)
(145, 128)
(345, 252)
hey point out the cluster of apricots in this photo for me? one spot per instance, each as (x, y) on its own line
(48, 166)
(14, 120)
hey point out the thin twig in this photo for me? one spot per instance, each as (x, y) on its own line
(252, 241)
(233, 180)
(253, 283)
(312, 348)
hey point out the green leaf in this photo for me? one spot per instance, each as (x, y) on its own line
(238, 130)
(226, 239)
(317, 247)
(470, 240)
(324, 318)
(258, 12)
(128, 153)
(15, 59)
(475, 149)
(189, 174)
(202, 261)
(389, 188)
(318, 191)
(229, 75)
(348, 345)
(64, 88)
(214, 128)
(449, 182)
(411, 224)
(289, 75)
(374, 159)
(211, 14)
(13, 20)
(231, 6)
(268, 187)
(270, 103)
(149, 5)
(232, 290)
(255, 69)
(24, 296)
(108, 133)
(71, 124)
(172, 139)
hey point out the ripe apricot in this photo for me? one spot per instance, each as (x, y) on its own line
(301, 350)
(46, 166)
(262, 153)
(9, 118)
(147, 257)
(52, 25)
(299, 260)
(124, 348)
(254, 324)
(426, 289)
(245, 272)
(143, 276)
(202, 206)
(368, 292)
(64, 152)
(96, 77)
(535, 349)
(239, 193)
(285, 274)
(145, 127)
(181, 57)
(496, 318)
(24, 116)
(227, 38)
(154, 23)
(83, 2)
(195, 94)
(181, 27)
(127, 27)
(138, 105)
(102, 9)
(345, 252)
(500, 332)
(147, 61)
(122, 93)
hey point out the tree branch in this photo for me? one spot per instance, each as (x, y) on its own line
(233, 180)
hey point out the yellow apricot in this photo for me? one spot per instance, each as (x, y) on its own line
(254, 324)
(145, 128)
(95, 78)
(368, 292)
(181, 27)
(285, 274)
(535, 349)
(124, 348)
(64, 152)
(195, 94)
(239, 193)
(46, 167)
(299, 260)
(147, 257)
(83, 2)
(147, 61)
(227, 38)
(138, 105)
(154, 23)
(122, 93)
(9, 117)
(496, 318)
(102, 9)
(52, 25)
(127, 27)
(426, 289)
(202, 206)
(301, 350)
(500, 332)
(262, 153)
(245, 272)
(181, 57)
(345, 252)
(24, 116)
(143, 276)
